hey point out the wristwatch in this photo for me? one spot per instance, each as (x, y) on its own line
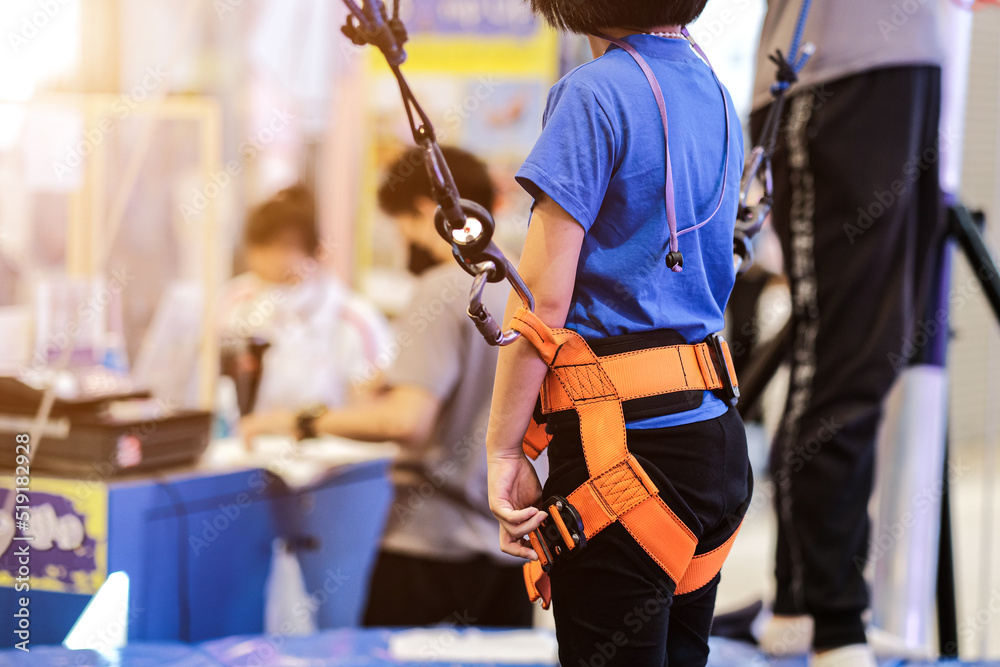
(305, 420)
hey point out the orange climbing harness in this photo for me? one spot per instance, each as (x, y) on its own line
(618, 488)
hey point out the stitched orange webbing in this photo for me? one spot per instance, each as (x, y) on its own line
(618, 488)
(657, 370)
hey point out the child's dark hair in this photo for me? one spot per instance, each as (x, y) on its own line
(406, 179)
(290, 210)
(588, 17)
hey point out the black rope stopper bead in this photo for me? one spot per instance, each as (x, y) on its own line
(398, 30)
(675, 258)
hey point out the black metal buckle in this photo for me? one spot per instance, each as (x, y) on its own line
(730, 392)
(560, 534)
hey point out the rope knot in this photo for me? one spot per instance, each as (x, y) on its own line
(787, 74)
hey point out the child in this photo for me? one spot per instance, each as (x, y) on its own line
(603, 261)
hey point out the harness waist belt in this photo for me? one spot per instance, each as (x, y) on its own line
(645, 373)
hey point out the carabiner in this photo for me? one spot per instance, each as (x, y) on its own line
(750, 217)
(743, 256)
(489, 271)
(758, 172)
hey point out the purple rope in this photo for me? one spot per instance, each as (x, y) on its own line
(662, 106)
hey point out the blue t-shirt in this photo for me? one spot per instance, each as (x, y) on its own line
(601, 157)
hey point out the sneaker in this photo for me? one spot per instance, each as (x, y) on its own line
(888, 645)
(781, 636)
(855, 655)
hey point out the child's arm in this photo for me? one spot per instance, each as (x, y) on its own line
(548, 267)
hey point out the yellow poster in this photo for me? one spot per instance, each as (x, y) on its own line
(64, 524)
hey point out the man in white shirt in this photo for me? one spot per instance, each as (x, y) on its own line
(322, 338)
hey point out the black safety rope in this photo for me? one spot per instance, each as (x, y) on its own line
(757, 170)
(468, 227)
(464, 224)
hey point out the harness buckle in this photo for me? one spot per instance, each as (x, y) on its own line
(730, 391)
(559, 534)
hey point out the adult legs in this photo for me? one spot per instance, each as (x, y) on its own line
(406, 590)
(852, 171)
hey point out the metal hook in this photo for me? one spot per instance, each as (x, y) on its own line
(482, 318)
(758, 171)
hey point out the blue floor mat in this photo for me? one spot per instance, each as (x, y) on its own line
(332, 648)
(728, 653)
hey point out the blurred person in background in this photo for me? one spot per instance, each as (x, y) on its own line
(857, 206)
(320, 337)
(439, 561)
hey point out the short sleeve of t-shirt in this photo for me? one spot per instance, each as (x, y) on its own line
(574, 158)
(429, 334)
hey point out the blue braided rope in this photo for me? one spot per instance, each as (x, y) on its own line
(797, 56)
(800, 27)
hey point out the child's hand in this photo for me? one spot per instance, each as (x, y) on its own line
(514, 487)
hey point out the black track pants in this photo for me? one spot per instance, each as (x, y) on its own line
(858, 212)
